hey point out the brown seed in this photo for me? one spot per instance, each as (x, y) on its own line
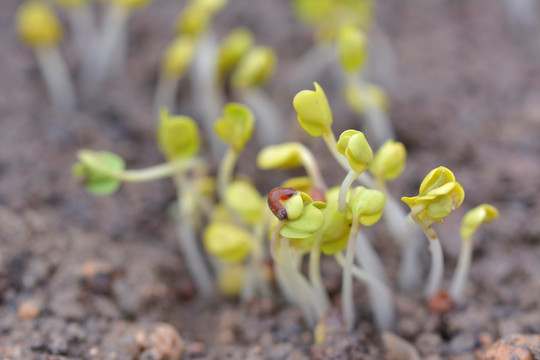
(440, 303)
(275, 201)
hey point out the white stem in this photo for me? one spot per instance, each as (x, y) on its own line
(436, 268)
(226, 171)
(347, 304)
(462, 271)
(361, 274)
(344, 190)
(166, 93)
(315, 273)
(331, 143)
(193, 257)
(269, 121)
(56, 76)
(408, 237)
(110, 44)
(303, 294)
(207, 97)
(377, 121)
(380, 297)
(312, 168)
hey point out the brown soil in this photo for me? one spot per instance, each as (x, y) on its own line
(83, 277)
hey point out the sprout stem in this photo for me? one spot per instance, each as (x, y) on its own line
(436, 269)
(186, 238)
(380, 297)
(110, 45)
(156, 172)
(377, 122)
(81, 22)
(206, 95)
(344, 190)
(312, 168)
(315, 273)
(331, 143)
(56, 76)
(347, 304)
(270, 123)
(226, 171)
(312, 63)
(166, 92)
(462, 271)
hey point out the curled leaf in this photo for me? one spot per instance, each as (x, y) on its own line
(236, 125)
(314, 113)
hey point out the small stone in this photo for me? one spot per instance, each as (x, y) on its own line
(97, 275)
(515, 347)
(28, 309)
(428, 344)
(485, 339)
(165, 342)
(462, 342)
(440, 303)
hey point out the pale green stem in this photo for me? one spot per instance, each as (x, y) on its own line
(269, 120)
(187, 241)
(56, 76)
(312, 168)
(82, 25)
(157, 172)
(331, 143)
(254, 277)
(462, 271)
(344, 190)
(226, 171)
(166, 92)
(315, 272)
(347, 303)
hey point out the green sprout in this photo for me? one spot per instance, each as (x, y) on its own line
(439, 194)
(39, 28)
(233, 48)
(482, 214)
(234, 128)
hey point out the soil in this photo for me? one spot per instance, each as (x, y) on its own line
(85, 277)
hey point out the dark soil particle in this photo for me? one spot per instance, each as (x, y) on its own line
(85, 277)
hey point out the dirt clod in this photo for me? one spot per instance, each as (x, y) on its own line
(515, 347)
(28, 309)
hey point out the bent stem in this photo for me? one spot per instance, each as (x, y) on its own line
(157, 172)
(187, 240)
(344, 190)
(347, 304)
(270, 124)
(462, 271)
(56, 76)
(226, 171)
(331, 143)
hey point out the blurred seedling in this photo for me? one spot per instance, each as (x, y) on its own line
(39, 28)
(438, 196)
(178, 140)
(254, 70)
(472, 220)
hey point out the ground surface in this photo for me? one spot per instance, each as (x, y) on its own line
(101, 271)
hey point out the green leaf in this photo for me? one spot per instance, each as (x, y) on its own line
(100, 171)
(236, 125)
(177, 136)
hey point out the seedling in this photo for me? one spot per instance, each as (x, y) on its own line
(481, 214)
(176, 60)
(39, 28)
(254, 69)
(439, 194)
